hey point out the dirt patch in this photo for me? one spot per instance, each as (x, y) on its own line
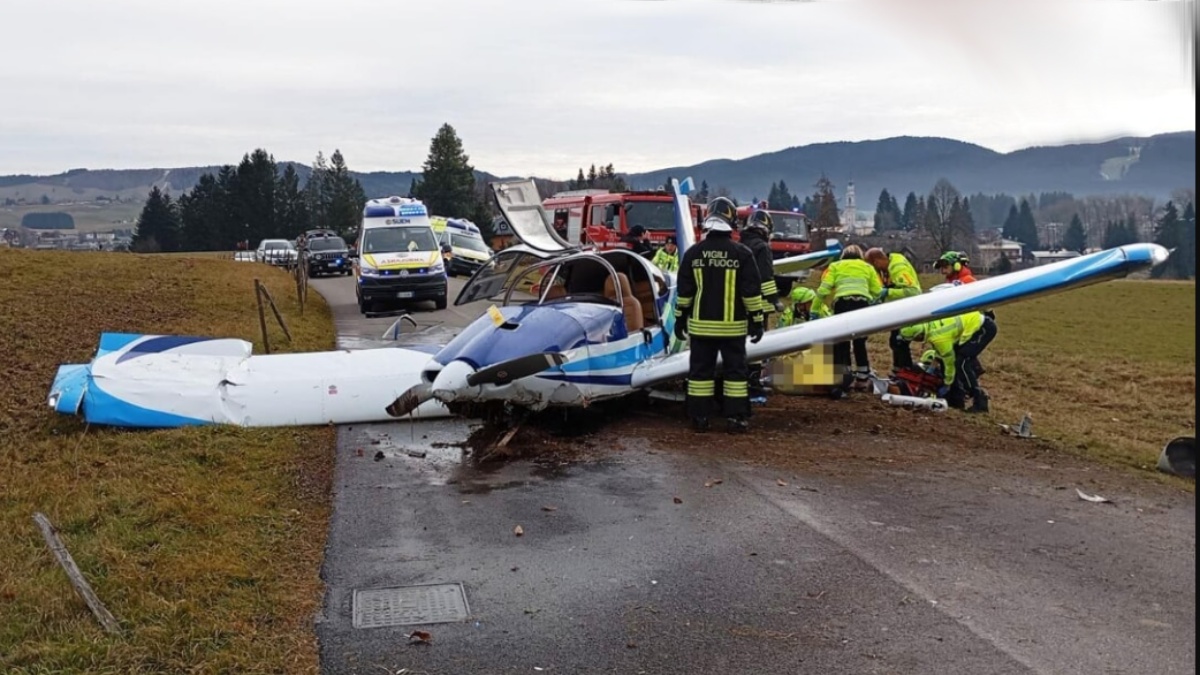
(858, 436)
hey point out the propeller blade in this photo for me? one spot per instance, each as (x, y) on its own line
(410, 400)
(515, 369)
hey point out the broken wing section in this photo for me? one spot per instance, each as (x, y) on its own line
(156, 381)
(992, 292)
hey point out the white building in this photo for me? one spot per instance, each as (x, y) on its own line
(991, 252)
(1047, 257)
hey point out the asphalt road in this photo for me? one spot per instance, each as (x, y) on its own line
(947, 571)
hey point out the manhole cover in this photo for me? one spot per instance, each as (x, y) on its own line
(407, 605)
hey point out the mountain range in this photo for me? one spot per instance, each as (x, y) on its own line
(1151, 166)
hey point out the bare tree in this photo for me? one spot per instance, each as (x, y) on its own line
(944, 220)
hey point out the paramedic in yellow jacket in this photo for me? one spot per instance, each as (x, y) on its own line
(899, 281)
(667, 257)
(958, 341)
(850, 283)
(795, 313)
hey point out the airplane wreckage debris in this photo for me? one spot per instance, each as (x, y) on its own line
(573, 327)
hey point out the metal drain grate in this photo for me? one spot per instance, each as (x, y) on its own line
(408, 605)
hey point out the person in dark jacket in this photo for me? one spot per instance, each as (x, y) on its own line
(719, 303)
(637, 240)
(757, 237)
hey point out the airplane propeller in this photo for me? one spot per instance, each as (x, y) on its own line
(514, 369)
(410, 400)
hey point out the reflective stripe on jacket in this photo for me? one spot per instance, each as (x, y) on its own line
(718, 289)
(848, 278)
(902, 278)
(946, 334)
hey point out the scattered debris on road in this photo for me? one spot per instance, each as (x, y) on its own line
(1096, 499)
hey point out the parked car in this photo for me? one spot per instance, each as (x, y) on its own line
(326, 253)
(279, 252)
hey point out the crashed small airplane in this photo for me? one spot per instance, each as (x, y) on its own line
(571, 326)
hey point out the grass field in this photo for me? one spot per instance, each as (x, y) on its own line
(1107, 372)
(88, 217)
(205, 543)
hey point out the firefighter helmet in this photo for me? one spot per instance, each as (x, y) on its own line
(762, 220)
(722, 215)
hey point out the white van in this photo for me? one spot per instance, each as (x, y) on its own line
(467, 249)
(397, 258)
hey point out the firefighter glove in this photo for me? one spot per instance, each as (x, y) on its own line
(778, 305)
(756, 331)
(681, 328)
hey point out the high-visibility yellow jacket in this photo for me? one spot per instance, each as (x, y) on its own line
(846, 278)
(946, 334)
(902, 280)
(667, 262)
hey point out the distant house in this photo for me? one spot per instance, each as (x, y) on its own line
(991, 252)
(1047, 257)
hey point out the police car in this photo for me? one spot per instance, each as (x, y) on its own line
(397, 259)
(326, 253)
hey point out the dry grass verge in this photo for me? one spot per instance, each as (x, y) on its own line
(205, 543)
(1108, 371)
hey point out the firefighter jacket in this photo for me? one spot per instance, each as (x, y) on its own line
(946, 334)
(667, 262)
(719, 291)
(761, 249)
(850, 277)
(901, 281)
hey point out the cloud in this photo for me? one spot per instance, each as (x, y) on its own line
(546, 86)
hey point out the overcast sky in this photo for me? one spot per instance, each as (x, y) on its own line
(545, 86)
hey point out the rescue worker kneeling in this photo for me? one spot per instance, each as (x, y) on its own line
(957, 341)
(719, 303)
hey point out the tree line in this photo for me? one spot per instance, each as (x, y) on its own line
(254, 200)
(244, 204)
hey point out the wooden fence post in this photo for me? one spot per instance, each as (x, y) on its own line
(81, 585)
(262, 317)
(275, 310)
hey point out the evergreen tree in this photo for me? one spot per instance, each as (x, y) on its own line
(827, 216)
(887, 213)
(912, 217)
(202, 217)
(1020, 225)
(1075, 238)
(1174, 233)
(254, 198)
(346, 197)
(448, 184)
(317, 195)
(1119, 233)
(290, 209)
(702, 196)
(158, 225)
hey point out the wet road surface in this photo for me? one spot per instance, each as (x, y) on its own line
(632, 565)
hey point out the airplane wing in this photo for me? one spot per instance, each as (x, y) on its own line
(993, 292)
(808, 261)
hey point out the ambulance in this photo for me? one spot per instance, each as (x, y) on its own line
(463, 248)
(397, 258)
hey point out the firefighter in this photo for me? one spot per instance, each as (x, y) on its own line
(850, 283)
(756, 235)
(719, 303)
(957, 341)
(802, 299)
(899, 281)
(954, 266)
(667, 257)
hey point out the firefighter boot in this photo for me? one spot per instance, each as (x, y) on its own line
(700, 424)
(738, 425)
(980, 402)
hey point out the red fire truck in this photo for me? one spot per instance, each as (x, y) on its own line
(789, 236)
(601, 218)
